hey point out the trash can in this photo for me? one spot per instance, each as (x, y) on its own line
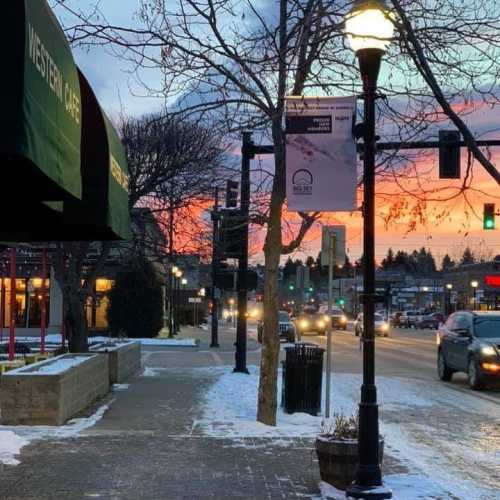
(302, 379)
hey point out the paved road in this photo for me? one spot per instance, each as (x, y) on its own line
(406, 353)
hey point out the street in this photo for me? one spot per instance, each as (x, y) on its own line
(407, 353)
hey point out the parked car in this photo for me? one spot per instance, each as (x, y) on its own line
(395, 319)
(382, 327)
(431, 321)
(338, 317)
(409, 319)
(469, 342)
(309, 321)
(286, 327)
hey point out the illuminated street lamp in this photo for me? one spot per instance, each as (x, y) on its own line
(474, 284)
(369, 30)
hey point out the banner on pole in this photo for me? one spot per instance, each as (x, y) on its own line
(328, 236)
(321, 173)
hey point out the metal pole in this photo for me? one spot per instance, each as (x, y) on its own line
(331, 263)
(368, 482)
(171, 296)
(215, 266)
(241, 327)
(12, 325)
(43, 304)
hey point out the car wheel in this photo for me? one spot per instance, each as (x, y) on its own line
(475, 381)
(444, 371)
(344, 328)
(259, 335)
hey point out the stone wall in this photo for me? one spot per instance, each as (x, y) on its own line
(124, 360)
(28, 398)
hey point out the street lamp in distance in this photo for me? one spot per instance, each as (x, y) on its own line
(474, 284)
(369, 30)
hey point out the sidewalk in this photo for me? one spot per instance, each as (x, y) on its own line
(186, 429)
(147, 445)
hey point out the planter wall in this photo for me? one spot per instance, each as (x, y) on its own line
(43, 394)
(338, 460)
(124, 360)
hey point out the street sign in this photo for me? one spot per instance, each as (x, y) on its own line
(330, 233)
(321, 158)
(195, 300)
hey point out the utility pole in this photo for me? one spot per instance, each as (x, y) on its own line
(215, 266)
(241, 328)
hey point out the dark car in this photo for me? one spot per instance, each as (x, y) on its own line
(286, 328)
(308, 322)
(431, 321)
(469, 342)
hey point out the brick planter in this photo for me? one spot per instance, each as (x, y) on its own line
(124, 359)
(51, 392)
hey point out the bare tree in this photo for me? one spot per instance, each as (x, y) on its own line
(237, 60)
(171, 162)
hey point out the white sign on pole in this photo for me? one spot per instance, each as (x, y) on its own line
(194, 300)
(327, 235)
(321, 172)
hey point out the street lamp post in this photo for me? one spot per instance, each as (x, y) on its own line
(369, 30)
(449, 287)
(171, 315)
(474, 284)
(178, 275)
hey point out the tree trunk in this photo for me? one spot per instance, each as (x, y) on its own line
(267, 403)
(74, 323)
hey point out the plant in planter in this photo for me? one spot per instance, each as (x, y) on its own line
(337, 450)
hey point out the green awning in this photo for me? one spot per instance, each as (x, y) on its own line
(103, 213)
(41, 119)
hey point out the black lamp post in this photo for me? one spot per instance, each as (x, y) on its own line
(369, 30)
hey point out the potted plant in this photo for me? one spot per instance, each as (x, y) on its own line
(337, 450)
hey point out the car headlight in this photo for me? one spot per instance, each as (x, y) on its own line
(325, 318)
(384, 327)
(304, 324)
(321, 324)
(488, 350)
(343, 319)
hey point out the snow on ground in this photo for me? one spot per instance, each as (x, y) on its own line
(14, 438)
(433, 429)
(56, 339)
(10, 447)
(152, 372)
(120, 387)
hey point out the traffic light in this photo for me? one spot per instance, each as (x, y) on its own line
(291, 287)
(449, 154)
(340, 301)
(232, 234)
(489, 216)
(232, 188)
(311, 289)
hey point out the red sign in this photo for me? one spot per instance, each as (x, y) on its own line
(492, 280)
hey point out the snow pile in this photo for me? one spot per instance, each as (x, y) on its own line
(169, 342)
(10, 446)
(120, 387)
(152, 372)
(13, 439)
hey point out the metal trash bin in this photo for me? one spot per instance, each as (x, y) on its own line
(302, 379)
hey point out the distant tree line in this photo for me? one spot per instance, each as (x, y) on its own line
(417, 262)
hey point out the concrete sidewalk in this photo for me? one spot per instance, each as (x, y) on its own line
(147, 446)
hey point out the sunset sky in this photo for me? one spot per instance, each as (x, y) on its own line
(120, 93)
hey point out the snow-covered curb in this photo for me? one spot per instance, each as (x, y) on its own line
(13, 439)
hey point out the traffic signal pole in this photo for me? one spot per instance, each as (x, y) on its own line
(241, 327)
(215, 266)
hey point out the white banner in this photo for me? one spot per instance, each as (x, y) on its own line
(321, 173)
